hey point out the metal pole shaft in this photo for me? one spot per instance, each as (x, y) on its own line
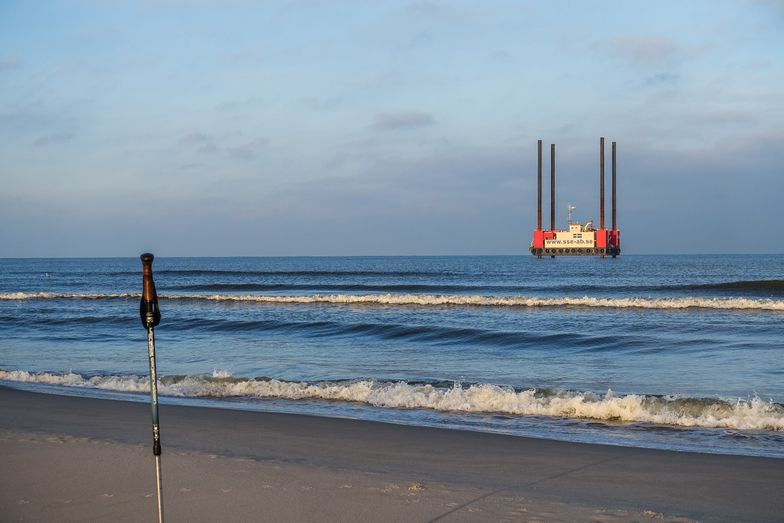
(614, 224)
(601, 183)
(156, 433)
(539, 188)
(160, 488)
(552, 187)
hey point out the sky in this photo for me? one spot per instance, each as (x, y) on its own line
(276, 128)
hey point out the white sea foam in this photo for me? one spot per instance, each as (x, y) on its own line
(59, 295)
(753, 414)
(765, 304)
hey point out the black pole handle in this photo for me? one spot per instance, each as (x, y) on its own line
(148, 308)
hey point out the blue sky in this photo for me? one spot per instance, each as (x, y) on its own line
(347, 128)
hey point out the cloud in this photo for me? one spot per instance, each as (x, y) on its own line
(249, 150)
(430, 9)
(322, 104)
(191, 4)
(53, 139)
(201, 142)
(454, 200)
(421, 39)
(721, 117)
(661, 78)
(37, 117)
(644, 51)
(8, 63)
(402, 120)
(775, 4)
(205, 143)
(239, 106)
(196, 138)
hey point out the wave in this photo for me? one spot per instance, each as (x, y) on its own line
(220, 272)
(392, 331)
(403, 287)
(765, 304)
(751, 414)
(66, 296)
(743, 286)
(432, 334)
(75, 319)
(756, 287)
(771, 286)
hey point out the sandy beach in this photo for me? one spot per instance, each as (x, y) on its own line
(77, 459)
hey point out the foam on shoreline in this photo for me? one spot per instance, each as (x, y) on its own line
(695, 302)
(742, 414)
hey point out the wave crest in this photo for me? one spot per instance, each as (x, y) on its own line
(765, 304)
(65, 296)
(753, 414)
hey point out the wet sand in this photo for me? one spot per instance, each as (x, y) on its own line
(76, 459)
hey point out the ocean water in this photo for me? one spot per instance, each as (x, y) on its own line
(676, 352)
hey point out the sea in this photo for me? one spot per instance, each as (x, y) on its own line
(670, 352)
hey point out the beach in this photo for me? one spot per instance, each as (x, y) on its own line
(409, 261)
(75, 459)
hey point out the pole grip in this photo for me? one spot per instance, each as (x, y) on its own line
(148, 308)
(156, 445)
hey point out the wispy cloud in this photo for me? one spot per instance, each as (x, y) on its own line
(248, 150)
(431, 9)
(38, 117)
(53, 139)
(235, 106)
(722, 117)
(208, 144)
(645, 51)
(322, 104)
(661, 78)
(8, 63)
(402, 120)
(200, 142)
(775, 4)
(190, 4)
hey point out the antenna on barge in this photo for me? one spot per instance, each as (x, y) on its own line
(569, 210)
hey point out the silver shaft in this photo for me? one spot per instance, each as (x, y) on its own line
(160, 488)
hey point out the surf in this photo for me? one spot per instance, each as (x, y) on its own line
(479, 398)
(440, 300)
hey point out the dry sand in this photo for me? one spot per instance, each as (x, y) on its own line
(80, 459)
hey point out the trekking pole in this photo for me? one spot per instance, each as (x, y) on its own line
(151, 316)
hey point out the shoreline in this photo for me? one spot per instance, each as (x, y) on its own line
(676, 437)
(292, 466)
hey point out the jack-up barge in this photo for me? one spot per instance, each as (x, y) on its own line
(579, 240)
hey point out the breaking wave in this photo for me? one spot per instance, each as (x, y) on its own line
(64, 296)
(752, 414)
(403, 287)
(766, 304)
(295, 273)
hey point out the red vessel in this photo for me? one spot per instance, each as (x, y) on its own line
(578, 240)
